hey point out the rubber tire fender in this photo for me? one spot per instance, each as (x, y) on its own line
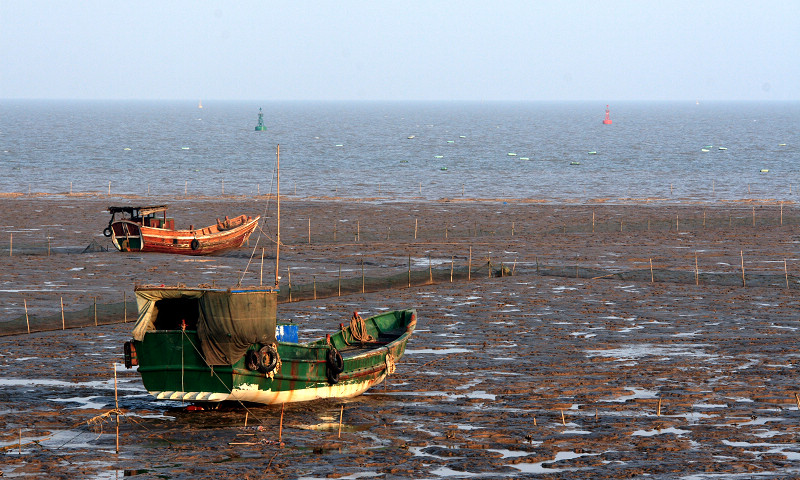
(107, 232)
(335, 364)
(251, 360)
(195, 244)
(267, 358)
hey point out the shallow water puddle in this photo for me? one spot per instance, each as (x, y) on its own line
(637, 393)
(83, 402)
(633, 352)
(436, 351)
(539, 467)
(650, 433)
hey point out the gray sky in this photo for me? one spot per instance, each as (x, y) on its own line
(400, 50)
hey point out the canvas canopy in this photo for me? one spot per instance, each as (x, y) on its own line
(228, 321)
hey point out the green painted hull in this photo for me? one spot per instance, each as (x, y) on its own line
(172, 365)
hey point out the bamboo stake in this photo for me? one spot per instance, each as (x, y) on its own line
(19, 446)
(596, 416)
(514, 267)
(246, 413)
(289, 274)
(11, 245)
(341, 414)
(27, 322)
(309, 230)
(563, 420)
(416, 222)
(314, 278)
(362, 275)
(512, 229)
(696, 271)
(334, 232)
(781, 212)
(741, 253)
(277, 209)
(340, 280)
(658, 412)
(409, 270)
(534, 421)
(452, 264)
(124, 307)
(592, 220)
(95, 311)
(786, 273)
(651, 271)
(62, 313)
(358, 230)
(261, 274)
(116, 403)
(430, 270)
(677, 225)
(280, 427)
(469, 265)
(754, 216)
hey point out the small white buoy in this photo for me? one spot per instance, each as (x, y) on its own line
(339, 145)
(438, 156)
(764, 170)
(184, 148)
(511, 154)
(524, 158)
(126, 149)
(704, 150)
(411, 136)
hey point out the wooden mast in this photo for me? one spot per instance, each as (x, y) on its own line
(278, 200)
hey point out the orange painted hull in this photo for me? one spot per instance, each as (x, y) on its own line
(129, 236)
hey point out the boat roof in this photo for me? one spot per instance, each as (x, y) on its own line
(182, 288)
(140, 210)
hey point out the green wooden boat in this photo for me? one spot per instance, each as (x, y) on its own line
(207, 345)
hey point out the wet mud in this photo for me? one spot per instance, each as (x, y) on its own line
(535, 375)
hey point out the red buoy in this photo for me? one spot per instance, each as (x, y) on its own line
(607, 120)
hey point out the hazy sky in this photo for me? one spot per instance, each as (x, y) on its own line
(400, 50)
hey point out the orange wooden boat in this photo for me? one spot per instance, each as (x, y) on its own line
(148, 229)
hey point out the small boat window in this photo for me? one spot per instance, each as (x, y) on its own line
(171, 311)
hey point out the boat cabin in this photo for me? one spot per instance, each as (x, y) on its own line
(154, 216)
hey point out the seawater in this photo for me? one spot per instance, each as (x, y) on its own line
(363, 150)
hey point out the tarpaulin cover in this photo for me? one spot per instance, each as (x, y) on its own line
(228, 322)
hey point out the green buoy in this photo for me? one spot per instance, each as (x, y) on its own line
(260, 127)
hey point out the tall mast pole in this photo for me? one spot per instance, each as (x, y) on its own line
(278, 200)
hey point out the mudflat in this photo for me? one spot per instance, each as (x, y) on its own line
(614, 339)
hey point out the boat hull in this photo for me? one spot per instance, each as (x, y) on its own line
(130, 236)
(172, 366)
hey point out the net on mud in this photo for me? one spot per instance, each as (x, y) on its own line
(119, 312)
